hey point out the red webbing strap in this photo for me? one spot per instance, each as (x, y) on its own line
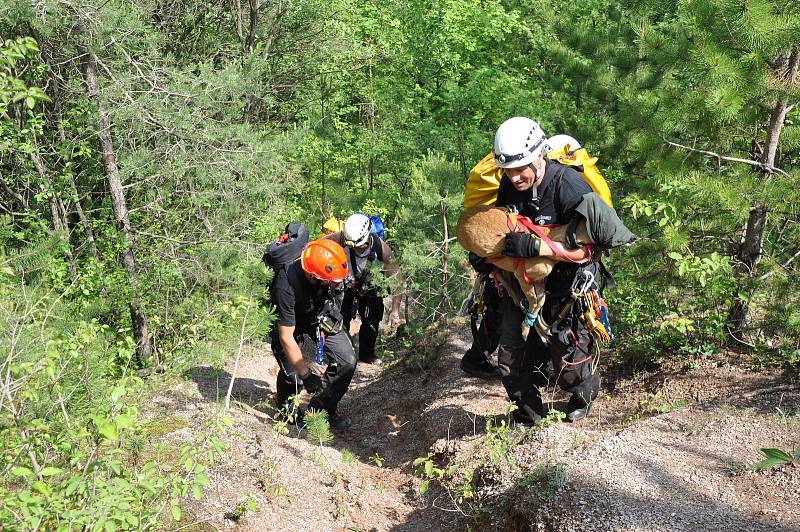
(557, 247)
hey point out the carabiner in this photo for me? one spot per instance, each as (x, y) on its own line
(582, 283)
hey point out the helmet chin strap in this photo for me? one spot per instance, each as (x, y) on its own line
(537, 180)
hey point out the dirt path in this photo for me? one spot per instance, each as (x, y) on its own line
(659, 452)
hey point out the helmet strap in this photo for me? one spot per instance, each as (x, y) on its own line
(537, 178)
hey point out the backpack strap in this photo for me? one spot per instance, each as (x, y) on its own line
(558, 177)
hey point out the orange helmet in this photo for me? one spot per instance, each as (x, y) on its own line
(324, 260)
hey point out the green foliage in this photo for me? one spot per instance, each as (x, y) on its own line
(13, 90)
(545, 481)
(246, 504)
(347, 456)
(501, 436)
(425, 469)
(318, 427)
(224, 132)
(776, 458)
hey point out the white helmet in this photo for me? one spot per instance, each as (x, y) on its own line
(556, 142)
(517, 142)
(356, 230)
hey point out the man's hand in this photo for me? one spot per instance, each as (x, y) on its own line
(394, 320)
(521, 245)
(312, 382)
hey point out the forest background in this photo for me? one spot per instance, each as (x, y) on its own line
(150, 149)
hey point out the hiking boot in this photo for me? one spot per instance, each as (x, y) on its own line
(519, 421)
(577, 409)
(340, 422)
(483, 370)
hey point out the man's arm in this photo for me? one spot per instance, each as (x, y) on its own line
(292, 350)
(392, 270)
(311, 380)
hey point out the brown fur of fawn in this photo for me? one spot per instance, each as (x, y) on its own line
(482, 230)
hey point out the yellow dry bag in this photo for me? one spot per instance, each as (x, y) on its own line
(484, 178)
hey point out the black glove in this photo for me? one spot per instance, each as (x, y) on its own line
(479, 263)
(312, 382)
(521, 245)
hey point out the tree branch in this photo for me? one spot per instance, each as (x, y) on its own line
(717, 156)
(784, 266)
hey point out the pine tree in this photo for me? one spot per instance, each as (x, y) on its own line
(707, 85)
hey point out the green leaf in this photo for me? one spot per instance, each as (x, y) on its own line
(118, 392)
(769, 463)
(773, 458)
(674, 255)
(124, 421)
(423, 486)
(23, 472)
(176, 512)
(72, 486)
(50, 471)
(40, 486)
(107, 430)
(777, 454)
(30, 102)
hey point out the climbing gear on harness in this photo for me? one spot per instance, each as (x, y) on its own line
(330, 320)
(530, 318)
(319, 358)
(595, 316)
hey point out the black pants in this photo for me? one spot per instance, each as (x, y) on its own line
(485, 337)
(523, 367)
(341, 359)
(370, 310)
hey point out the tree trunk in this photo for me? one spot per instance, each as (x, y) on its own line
(87, 225)
(445, 259)
(118, 202)
(751, 249)
(255, 5)
(59, 224)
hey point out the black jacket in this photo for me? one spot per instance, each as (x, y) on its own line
(558, 195)
(298, 300)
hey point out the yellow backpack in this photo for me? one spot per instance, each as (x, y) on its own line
(484, 178)
(331, 225)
